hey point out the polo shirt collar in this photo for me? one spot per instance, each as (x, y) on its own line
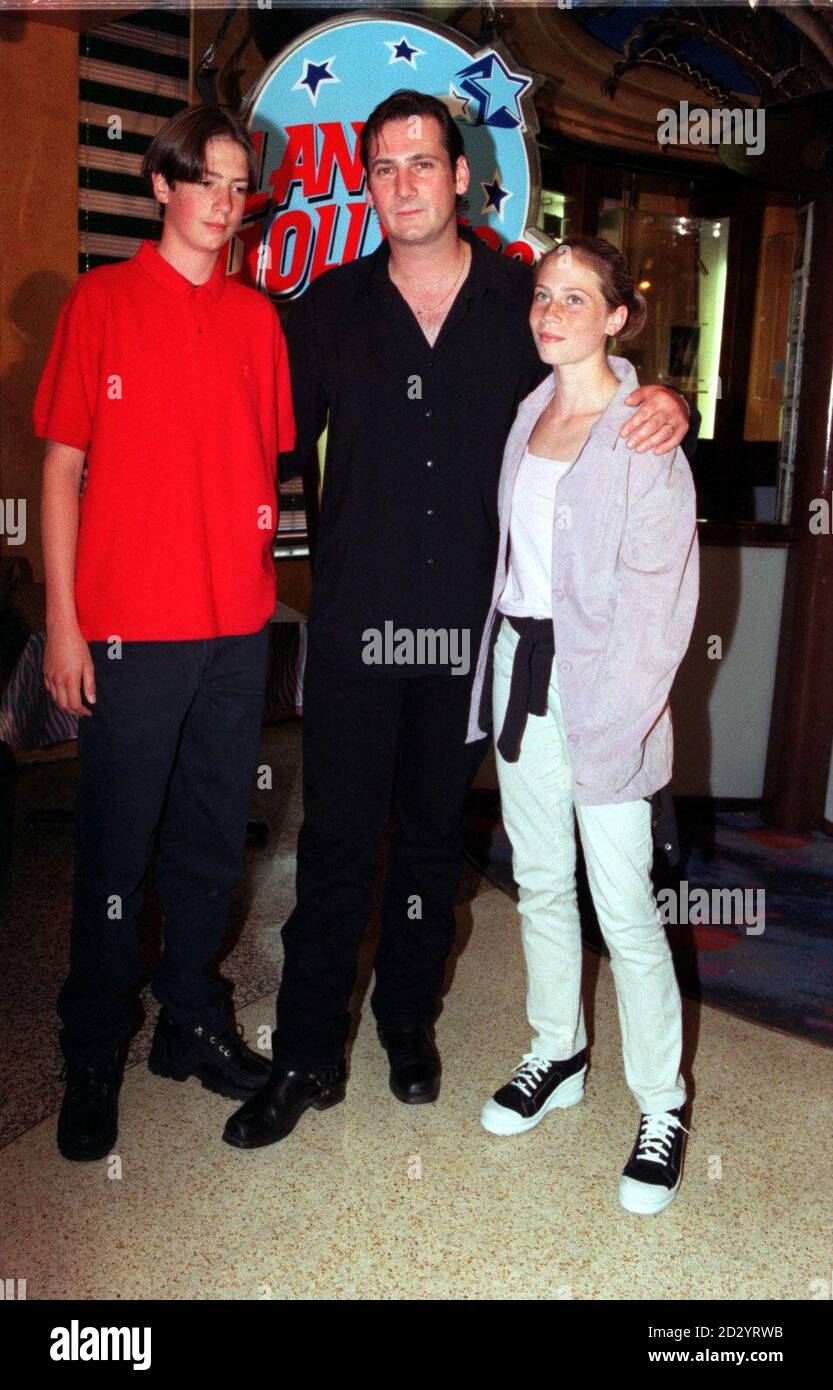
(172, 280)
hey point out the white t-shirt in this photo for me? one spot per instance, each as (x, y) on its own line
(527, 592)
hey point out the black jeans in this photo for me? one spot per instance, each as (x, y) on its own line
(369, 740)
(171, 746)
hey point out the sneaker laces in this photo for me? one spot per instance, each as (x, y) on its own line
(529, 1072)
(656, 1135)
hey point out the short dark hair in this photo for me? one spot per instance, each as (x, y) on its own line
(401, 106)
(177, 150)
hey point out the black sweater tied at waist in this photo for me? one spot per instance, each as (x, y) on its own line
(529, 686)
(529, 693)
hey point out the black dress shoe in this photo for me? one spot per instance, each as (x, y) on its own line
(415, 1066)
(88, 1121)
(220, 1060)
(274, 1112)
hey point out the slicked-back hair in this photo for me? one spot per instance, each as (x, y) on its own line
(178, 148)
(402, 106)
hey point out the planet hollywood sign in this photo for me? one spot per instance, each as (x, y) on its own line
(306, 114)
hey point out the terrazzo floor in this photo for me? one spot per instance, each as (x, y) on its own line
(378, 1200)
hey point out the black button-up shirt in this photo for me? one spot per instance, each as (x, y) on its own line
(408, 525)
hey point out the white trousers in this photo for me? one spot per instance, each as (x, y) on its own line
(537, 803)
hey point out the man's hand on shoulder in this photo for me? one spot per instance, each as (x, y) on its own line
(660, 423)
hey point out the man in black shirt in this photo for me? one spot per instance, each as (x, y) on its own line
(419, 355)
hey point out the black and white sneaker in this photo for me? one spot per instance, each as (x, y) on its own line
(651, 1177)
(537, 1086)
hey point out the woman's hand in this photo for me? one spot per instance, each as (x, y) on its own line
(660, 423)
(68, 668)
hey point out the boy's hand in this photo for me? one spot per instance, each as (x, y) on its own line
(660, 423)
(68, 669)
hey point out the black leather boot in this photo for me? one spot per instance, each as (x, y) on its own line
(274, 1112)
(88, 1120)
(415, 1066)
(220, 1060)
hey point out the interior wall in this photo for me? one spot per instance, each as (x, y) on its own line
(722, 705)
(38, 239)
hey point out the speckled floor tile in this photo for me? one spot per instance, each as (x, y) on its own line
(374, 1199)
(34, 908)
(35, 911)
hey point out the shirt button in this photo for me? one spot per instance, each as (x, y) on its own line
(572, 738)
(429, 511)
(429, 463)
(428, 414)
(429, 561)
(566, 665)
(558, 594)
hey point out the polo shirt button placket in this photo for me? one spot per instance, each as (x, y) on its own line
(195, 310)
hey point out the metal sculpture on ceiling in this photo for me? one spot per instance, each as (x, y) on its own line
(753, 40)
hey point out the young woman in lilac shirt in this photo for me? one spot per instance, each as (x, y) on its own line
(592, 610)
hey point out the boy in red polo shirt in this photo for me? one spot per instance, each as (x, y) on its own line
(172, 383)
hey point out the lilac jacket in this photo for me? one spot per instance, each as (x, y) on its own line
(624, 594)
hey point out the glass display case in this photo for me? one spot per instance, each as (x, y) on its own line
(680, 264)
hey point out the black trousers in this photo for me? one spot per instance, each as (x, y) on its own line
(169, 753)
(370, 741)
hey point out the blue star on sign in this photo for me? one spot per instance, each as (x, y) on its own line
(403, 51)
(495, 195)
(314, 74)
(496, 91)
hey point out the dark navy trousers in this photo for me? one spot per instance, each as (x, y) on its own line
(168, 758)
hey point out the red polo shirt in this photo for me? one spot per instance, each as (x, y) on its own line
(180, 396)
